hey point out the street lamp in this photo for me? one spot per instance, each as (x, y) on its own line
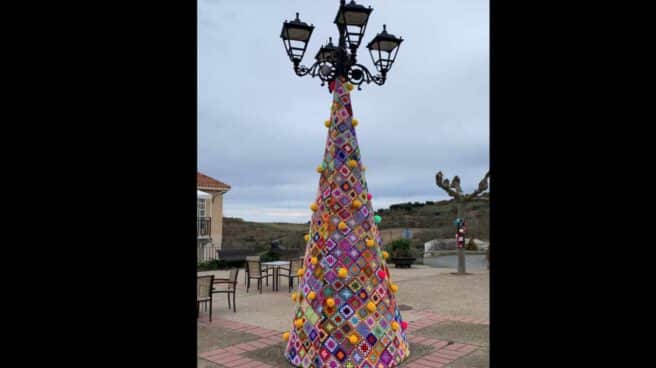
(383, 49)
(295, 36)
(351, 20)
(334, 61)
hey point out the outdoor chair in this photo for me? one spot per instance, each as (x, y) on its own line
(204, 293)
(254, 258)
(291, 272)
(254, 269)
(231, 287)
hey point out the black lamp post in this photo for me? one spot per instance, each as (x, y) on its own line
(333, 61)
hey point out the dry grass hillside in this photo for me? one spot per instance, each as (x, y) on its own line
(428, 220)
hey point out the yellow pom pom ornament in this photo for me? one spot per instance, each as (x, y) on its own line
(356, 204)
(306, 237)
(370, 243)
(342, 225)
(371, 306)
(330, 302)
(327, 123)
(348, 86)
(300, 272)
(298, 323)
(352, 163)
(294, 296)
(312, 295)
(319, 169)
(353, 339)
(342, 273)
(395, 325)
(394, 288)
(314, 260)
(314, 207)
(285, 336)
(385, 255)
(355, 122)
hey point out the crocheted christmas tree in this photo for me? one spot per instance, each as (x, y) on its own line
(346, 314)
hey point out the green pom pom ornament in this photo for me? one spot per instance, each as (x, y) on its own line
(378, 219)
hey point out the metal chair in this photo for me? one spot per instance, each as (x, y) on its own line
(291, 271)
(255, 271)
(254, 258)
(204, 294)
(231, 287)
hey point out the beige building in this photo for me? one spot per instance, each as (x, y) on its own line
(210, 215)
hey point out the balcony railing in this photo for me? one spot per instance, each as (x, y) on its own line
(204, 227)
(206, 253)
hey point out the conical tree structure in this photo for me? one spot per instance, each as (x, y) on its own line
(346, 314)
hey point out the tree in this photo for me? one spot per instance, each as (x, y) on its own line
(454, 190)
(345, 302)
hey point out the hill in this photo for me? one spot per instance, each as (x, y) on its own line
(428, 220)
(240, 234)
(438, 217)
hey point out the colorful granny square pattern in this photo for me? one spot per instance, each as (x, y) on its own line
(357, 331)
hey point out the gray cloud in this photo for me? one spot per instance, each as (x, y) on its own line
(260, 128)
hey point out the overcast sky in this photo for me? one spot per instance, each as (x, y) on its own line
(260, 127)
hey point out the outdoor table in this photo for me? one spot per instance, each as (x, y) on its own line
(276, 269)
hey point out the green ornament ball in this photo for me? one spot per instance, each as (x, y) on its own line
(378, 219)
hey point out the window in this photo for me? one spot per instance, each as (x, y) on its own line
(201, 208)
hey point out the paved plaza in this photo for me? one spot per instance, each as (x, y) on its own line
(448, 318)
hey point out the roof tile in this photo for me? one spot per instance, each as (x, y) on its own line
(204, 181)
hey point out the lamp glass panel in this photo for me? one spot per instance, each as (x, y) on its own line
(356, 18)
(298, 34)
(384, 45)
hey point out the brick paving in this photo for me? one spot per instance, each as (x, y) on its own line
(441, 354)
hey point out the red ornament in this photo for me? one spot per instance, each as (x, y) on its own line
(382, 274)
(404, 325)
(369, 196)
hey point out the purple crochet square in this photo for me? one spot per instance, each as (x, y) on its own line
(344, 214)
(345, 245)
(330, 260)
(330, 276)
(345, 200)
(330, 344)
(330, 244)
(357, 357)
(386, 357)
